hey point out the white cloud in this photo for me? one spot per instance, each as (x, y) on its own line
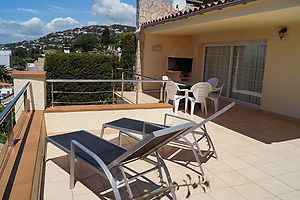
(114, 11)
(12, 31)
(59, 24)
(27, 10)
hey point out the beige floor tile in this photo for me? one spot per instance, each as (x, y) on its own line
(233, 178)
(57, 190)
(289, 165)
(274, 186)
(235, 163)
(61, 197)
(216, 166)
(273, 198)
(290, 196)
(204, 196)
(253, 173)
(86, 196)
(215, 182)
(254, 160)
(291, 179)
(253, 192)
(226, 194)
(271, 169)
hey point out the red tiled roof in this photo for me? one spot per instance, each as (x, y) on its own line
(190, 10)
(5, 84)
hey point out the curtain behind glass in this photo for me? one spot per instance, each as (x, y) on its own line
(216, 64)
(247, 73)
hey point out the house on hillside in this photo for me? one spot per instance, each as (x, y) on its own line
(251, 46)
(5, 58)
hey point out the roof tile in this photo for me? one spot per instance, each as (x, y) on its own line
(189, 10)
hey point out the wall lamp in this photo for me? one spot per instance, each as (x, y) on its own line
(282, 32)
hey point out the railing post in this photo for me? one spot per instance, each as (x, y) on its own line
(52, 95)
(161, 94)
(113, 93)
(137, 92)
(122, 89)
(113, 87)
(25, 102)
(10, 131)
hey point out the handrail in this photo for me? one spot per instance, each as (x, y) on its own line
(8, 109)
(102, 81)
(129, 72)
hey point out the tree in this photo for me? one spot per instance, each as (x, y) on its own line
(20, 63)
(4, 76)
(86, 42)
(105, 39)
(20, 52)
(128, 45)
(35, 53)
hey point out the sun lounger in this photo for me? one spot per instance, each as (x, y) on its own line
(128, 126)
(103, 155)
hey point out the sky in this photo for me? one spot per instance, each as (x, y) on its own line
(26, 20)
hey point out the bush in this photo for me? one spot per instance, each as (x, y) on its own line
(80, 66)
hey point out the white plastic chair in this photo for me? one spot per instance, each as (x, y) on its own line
(171, 90)
(165, 78)
(213, 82)
(215, 95)
(200, 92)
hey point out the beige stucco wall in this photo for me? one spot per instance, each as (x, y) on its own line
(36, 94)
(155, 62)
(281, 83)
(93, 120)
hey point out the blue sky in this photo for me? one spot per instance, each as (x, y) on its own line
(24, 20)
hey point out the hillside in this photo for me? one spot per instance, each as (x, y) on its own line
(65, 38)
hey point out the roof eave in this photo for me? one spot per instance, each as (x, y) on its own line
(210, 9)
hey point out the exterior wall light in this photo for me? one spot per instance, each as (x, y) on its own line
(282, 32)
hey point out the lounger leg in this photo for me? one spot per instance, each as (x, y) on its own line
(167, 173)
(120, 138)
(45, 150)
(159, 168)
(195, 154)
(102, 131)
(209, 140)
(72, 167)
(126, 182)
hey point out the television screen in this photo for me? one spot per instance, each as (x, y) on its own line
(180, 64)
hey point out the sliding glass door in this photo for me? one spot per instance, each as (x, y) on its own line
(240, 67)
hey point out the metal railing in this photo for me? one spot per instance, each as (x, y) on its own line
(113, 91)
(138, 77)
(7, 121)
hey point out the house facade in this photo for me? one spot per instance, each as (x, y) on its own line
(252, 46)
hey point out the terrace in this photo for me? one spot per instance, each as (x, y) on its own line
(258, 151)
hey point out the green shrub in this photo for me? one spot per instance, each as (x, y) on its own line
(80, 66)
(128, 45)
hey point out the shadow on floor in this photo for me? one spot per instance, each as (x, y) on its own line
(177, 152)
(99, 185)
(254, 123)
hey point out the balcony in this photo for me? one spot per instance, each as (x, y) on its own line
(258, 152)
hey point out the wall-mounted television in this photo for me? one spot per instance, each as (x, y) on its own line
(180, 64)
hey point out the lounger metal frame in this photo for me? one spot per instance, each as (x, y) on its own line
(193, 145)
(127, 157)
